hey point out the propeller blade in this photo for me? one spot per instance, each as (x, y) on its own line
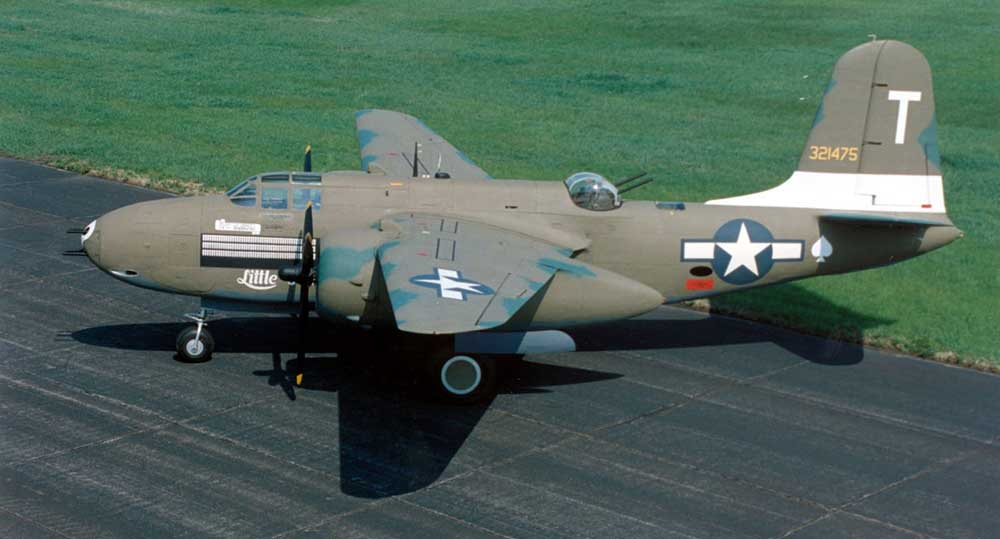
(416, 159)
(308, 257)
(304, 280)
(307, 225)
(307, 165)
(303, 327)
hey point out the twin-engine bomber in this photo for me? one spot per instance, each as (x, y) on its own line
(425, 245)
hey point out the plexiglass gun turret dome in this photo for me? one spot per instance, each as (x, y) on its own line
(592, 191)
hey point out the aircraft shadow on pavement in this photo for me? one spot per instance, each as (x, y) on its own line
(833, 347)
(393, 438)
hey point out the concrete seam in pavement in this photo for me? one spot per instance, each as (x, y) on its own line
(880, 418)
(51, 179)
(34, 522)
(34, 252)
(692, 488)
(42, 279)
(144, 430)
(578, 501)
(826, 516)
(934, 466)
(40, 212)
(455, 519)
(889, 525)
(21, 346)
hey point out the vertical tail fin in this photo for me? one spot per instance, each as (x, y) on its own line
(873, 144)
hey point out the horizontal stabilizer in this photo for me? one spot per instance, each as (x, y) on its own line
(880, 219)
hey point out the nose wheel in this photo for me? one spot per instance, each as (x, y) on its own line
(195, 344)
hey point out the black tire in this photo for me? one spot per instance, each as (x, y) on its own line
(470, 378)
(188, 351)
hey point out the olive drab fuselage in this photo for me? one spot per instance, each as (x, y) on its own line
(161, 244)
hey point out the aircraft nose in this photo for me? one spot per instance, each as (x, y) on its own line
(90, 240)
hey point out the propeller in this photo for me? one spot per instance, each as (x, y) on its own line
(302, 274)
(307, 164)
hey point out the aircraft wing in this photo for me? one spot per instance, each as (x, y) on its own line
(446, 275)
(387, 138)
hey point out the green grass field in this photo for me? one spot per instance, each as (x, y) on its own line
(713, 98)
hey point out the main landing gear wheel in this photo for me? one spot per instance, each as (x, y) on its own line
(464, 379)
(195, 344)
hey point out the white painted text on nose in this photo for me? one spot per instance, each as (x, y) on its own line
(904, 99)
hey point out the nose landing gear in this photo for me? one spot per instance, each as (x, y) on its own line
(195, 344)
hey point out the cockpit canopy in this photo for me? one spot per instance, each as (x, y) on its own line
(274, 191)
(592, 191)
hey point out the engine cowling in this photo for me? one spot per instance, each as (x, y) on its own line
(344, 275)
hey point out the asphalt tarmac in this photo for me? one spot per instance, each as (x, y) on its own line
(675, 424)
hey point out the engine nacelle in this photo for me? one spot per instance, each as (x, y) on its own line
(344, 274)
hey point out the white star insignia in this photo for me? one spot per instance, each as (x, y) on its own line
(743, 253)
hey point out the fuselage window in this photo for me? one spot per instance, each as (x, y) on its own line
(274, 198)
(275, 178)
(305, 177)
(236, 189)
(302, 196)
(244, 194)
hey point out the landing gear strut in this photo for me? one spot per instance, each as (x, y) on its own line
(195, 344)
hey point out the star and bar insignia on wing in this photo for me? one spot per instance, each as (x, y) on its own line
(450, 284)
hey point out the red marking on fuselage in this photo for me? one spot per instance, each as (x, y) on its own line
(700, 284)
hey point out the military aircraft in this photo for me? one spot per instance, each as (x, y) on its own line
(466, 269)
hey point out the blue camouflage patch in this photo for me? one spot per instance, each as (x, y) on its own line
(819, 112)
(365, 136)
(400, 297)
(928, 140)
(577, 270)
(343, 262)
(367, 160)
(512, 305)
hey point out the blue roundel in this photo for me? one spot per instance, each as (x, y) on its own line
(743, 251)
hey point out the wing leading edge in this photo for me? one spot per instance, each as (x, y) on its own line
(387, 139)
